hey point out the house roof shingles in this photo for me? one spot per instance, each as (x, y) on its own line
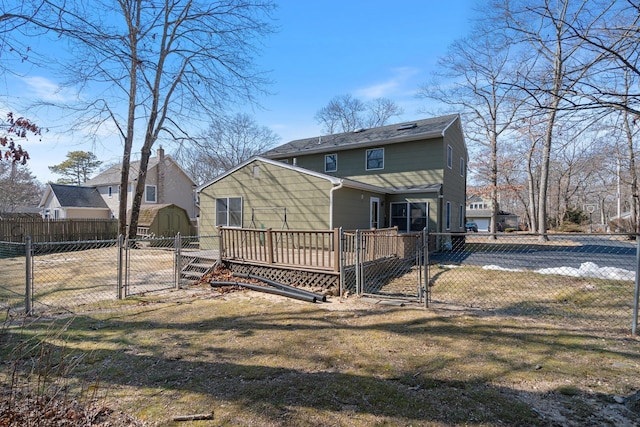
(74, 196)
(423, 129)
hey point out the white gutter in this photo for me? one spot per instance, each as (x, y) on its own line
(337, 187)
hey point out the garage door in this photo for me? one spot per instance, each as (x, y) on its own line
(483, 224)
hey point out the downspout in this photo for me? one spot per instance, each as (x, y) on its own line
(337, 187)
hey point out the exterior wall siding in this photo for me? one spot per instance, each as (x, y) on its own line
(86, 213)
(454, 186)
(305, 197)
(178, 189)
(408, 163)
(351, 208)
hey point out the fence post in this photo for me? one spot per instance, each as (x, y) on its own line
(425, 257)
(120, 266)
(341, 260)
(177, 261)
(636, 294)
(28, 306)
(357, 266)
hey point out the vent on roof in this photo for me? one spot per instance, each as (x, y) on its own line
(359, 130)
(408, 126)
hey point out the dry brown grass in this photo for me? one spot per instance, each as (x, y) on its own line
(254, 359)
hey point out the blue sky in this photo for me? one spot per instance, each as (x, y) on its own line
(368, 49)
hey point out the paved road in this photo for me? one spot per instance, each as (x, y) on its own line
(532, 255)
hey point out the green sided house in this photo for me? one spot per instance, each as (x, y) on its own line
(410, 175)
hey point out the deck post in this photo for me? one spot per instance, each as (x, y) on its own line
(220, 245)
(270, 249)
(336, 250)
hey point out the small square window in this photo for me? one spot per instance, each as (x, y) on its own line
(331, 163)
(375, 159)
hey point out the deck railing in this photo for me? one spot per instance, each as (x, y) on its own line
(312, 249)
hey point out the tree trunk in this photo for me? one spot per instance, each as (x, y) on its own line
(635, 226)
(131, 117)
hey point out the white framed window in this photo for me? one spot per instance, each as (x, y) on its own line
(56, 214)
(375, 159)
(110, 191)
(449, 157)
(256, 171)
(448, 216)
(150, 195)
(463, 168)
(229, 211)
(409, 216)
(330, 162)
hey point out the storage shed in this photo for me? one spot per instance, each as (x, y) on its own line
(163, 220)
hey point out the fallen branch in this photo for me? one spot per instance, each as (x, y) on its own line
(194, 417)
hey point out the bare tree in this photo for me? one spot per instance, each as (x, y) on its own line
(344, 113)
(166, 65)
(227, 142)
(469, 80)
(545, 28)
(380, 111)
(18, 187)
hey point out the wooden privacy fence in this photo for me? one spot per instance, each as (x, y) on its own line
(313, 250)
(57, 230)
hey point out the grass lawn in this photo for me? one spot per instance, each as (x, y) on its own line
(255, 359)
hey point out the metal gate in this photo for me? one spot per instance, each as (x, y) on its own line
(383, 263)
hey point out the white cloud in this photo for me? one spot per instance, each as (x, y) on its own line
(44, 89)
(394, 85)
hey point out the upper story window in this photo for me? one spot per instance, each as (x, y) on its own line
(110, 191)
(375, 159)
(449, 157)
(478, 206)
(462, 167)
(150, 195)
(331, 163)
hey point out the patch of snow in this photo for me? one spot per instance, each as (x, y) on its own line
(590, 269)
(497, 267)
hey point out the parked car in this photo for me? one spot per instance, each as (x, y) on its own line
(472, 226)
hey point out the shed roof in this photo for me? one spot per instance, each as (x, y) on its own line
(408, 131)
(75, 196)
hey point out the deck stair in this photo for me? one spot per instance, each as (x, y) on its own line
(195, 265)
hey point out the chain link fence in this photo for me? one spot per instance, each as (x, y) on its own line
(57, 277)
(586, 280)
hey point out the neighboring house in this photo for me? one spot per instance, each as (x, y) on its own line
(166, 182)
(72, 202)
(410, 175)
(479, 211)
